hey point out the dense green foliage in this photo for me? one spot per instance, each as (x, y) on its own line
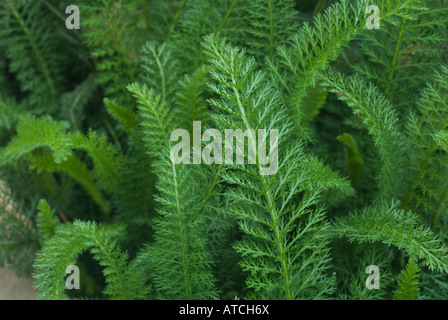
(86, 170)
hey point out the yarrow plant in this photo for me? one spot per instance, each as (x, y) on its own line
(174, 149)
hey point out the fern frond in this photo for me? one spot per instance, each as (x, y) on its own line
(302, 119)
(203, 17)
(388, 224)
(191, 101)
(353, 158)
(408, 284)
(441, 137)
(280, 232)
(314, 102)
(181, 261)
(114, 46)
(273, 24)
(62, 250)
(160, 71)
(75, 168)
(164, 16)
(124, 116)
(134, 197)
(402, 56)
(382, 122)
(30, 43)
(46, 221)
(106, 158)
(156, 118)
(428, 190)
(433, 286)
(34, 133)
(140, 275)
(315, 46)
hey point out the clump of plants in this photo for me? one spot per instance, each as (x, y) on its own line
(354, 121)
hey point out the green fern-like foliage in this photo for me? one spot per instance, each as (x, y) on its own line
(46, 220)
(160, 71)
(126, 118)
(273, 25)
(387, 136)
(354, 121)
(18, 237)
(73, 103)
(201, 18)
(390, 225)
(37, 135)
(427, 194)
(401, 64)
(315, 46)
(116, 64)
(353, 159)
(180, 253)
(191, 99)
(156, 117)
(248, 101)
(62, 249)
(11, 112)
(408, 284)
(30, 41)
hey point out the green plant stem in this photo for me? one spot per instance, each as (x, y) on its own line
(319, 7)
(393, 69)
(173, 25)
(184, 259)
(271, 30)
(226, 17)
(423, 168)
(274, 216)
